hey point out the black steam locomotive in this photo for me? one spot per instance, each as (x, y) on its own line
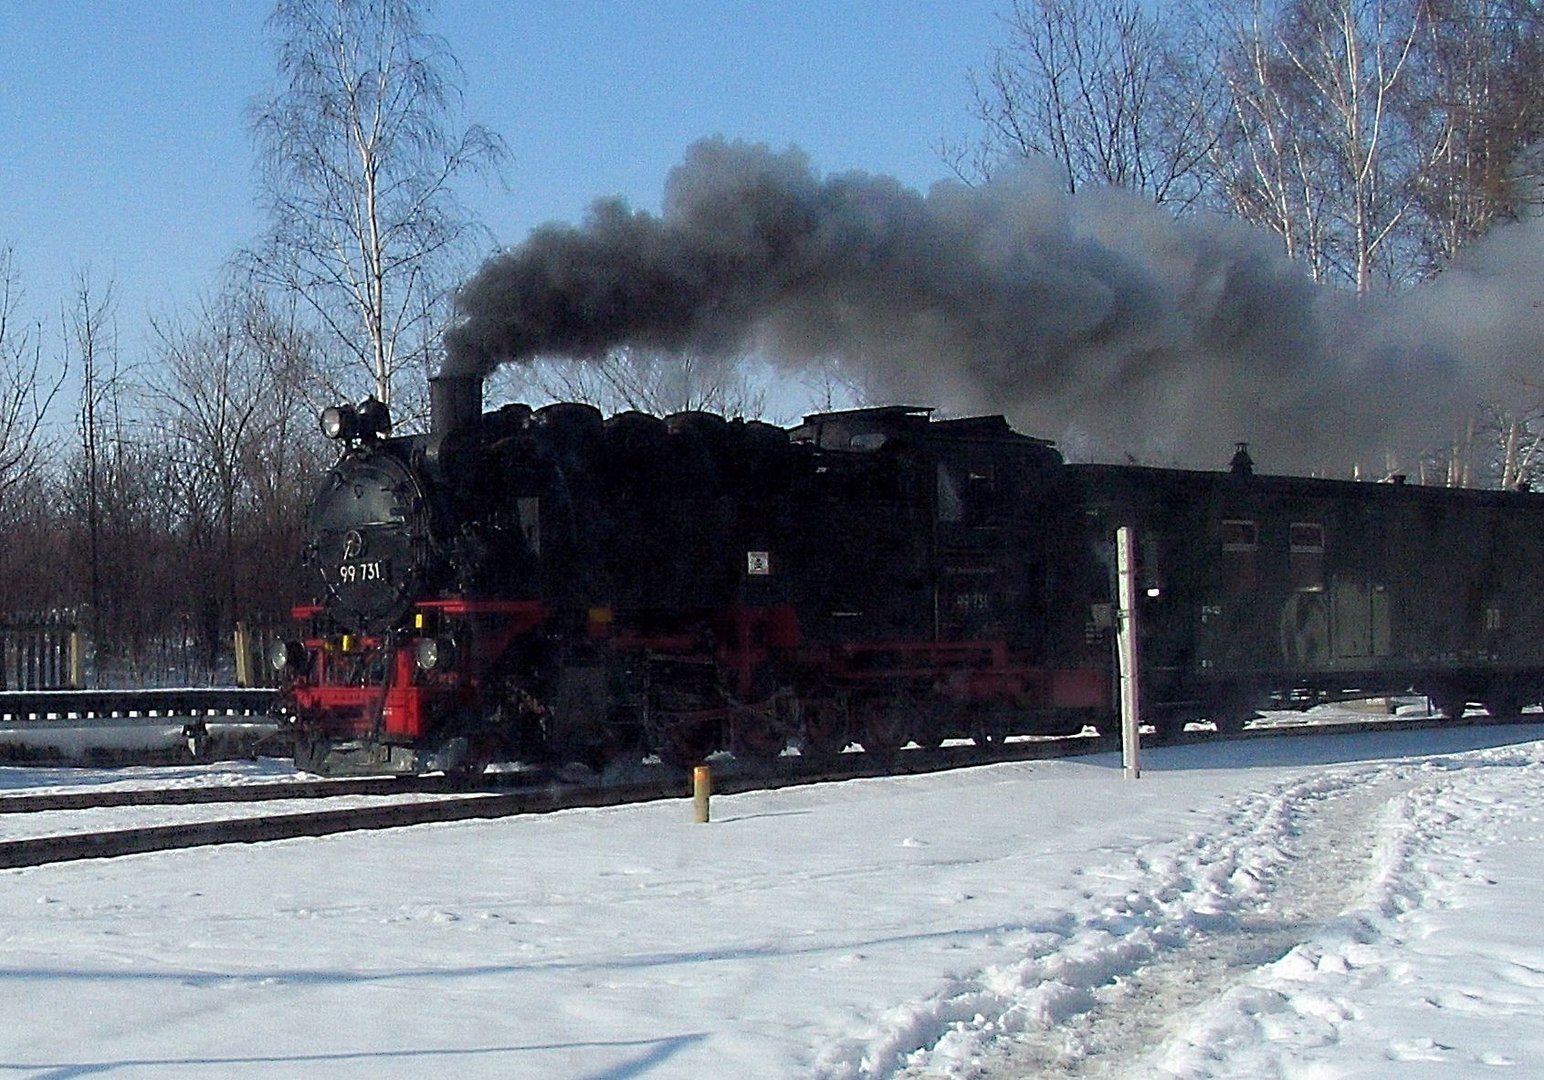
(547, 585)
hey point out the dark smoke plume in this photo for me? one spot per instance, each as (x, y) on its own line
(1096, 319)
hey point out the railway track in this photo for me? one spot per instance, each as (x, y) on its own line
(37, 851)
(509, 795)
(230, 793)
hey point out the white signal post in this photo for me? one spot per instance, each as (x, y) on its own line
(1128, 652)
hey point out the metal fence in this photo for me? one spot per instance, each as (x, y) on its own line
(41, 656)
(56, 653)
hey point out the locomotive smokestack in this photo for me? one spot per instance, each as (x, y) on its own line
(454, 401)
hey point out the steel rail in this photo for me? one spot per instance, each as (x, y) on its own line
(230, 793)
(39, 851)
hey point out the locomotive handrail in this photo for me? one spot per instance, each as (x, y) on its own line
(66, 705)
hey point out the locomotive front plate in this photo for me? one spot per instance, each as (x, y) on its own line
(370, 529)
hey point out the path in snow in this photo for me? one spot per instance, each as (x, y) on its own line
(1355, 919)
(1319, 870)
(1436, 971)
(1155, 938)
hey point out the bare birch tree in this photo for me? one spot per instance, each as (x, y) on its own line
(1317, 145)
(361, 155)
(1103, 89)
(1266, 164)
(1355, 55)
(1478, 102)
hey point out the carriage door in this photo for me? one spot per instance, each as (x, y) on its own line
(1361, 620)
(1359, 602)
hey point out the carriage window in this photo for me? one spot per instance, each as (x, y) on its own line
(1240, 536)
(1305, 546)
(1240, 546)
(1306, 539)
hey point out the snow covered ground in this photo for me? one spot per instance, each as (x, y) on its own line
(1310, 907)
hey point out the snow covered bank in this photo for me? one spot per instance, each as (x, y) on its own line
(1321, 900)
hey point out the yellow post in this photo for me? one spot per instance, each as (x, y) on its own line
(243, 655)
(77, 662)
(702, 787)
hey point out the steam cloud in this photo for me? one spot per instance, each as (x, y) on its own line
(1095, 319)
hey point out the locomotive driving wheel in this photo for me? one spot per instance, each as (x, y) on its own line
(823, 721)
(1229, 719)
(686, 741)
(757, 733)
(1226, 707)
(985, 724)
(887, 724)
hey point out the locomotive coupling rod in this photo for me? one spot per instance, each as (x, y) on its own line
(702, 787)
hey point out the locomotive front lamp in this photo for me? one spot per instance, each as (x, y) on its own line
(339, 421)
(372, 418)
(287, 655)
(433, 654)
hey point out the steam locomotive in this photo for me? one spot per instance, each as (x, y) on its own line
(548, 585)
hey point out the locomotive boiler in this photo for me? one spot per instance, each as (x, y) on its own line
(548, 585)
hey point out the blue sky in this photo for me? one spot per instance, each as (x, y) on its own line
(124, 148)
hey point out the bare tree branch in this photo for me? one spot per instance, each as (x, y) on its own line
(24, 396)
(1102, 89)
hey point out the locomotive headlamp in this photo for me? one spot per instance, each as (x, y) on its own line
(287, 656)
(339, 422)
(434, 654)
(371, 418)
